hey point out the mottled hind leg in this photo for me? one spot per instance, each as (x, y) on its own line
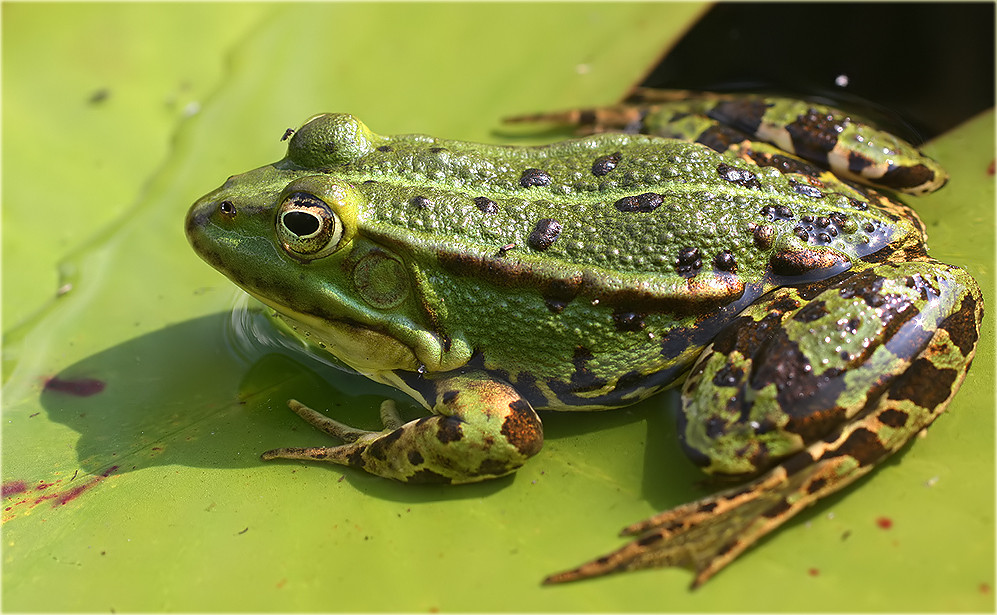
(764, 392)
(482, 429)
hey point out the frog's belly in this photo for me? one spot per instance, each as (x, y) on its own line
(581, 380)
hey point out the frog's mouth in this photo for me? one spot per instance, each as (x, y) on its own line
(371, 353)
(363, 348)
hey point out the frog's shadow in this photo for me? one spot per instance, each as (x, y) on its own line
(181, 396)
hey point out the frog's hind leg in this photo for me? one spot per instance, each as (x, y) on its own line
(757, 396)
(482, 429)
(824, 136)
(592, 120)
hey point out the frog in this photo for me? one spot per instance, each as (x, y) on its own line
(753, 251)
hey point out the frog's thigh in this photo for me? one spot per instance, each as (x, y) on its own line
(873, 358)
(482, 429)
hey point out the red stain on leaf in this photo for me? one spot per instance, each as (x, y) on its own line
(57, 497)
(884, 523)
(990, 168)
(81, 387)
(14, 487)
(984, 588)
(813, 572)
(68, 496)
(64, 497)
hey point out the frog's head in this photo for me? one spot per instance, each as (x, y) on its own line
(290, 236)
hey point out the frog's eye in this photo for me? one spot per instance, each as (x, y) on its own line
(307, 227)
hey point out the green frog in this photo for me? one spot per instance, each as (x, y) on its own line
(735, 246)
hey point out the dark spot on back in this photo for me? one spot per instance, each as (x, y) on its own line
(544, 234)
(739, 177)
(764, 236)
(805, 189)
(688, 262)
(640, 203)
(725, 261)
(534, 177)
(486, 205)
(605, 164)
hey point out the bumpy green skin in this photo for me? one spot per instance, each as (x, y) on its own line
(813, 333)
(823, 135)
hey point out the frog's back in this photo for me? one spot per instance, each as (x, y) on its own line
(627, 219)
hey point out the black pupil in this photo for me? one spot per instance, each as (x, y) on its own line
(300, 223)
(226, 207)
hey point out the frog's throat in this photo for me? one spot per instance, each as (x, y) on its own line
(372, 352)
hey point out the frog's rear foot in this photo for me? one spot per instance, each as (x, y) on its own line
(704, 535)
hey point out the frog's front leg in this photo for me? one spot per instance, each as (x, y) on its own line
(482, 429)
(826, 381)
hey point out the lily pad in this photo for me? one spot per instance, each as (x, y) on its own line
(136, 404)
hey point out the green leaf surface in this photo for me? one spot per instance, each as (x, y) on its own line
(135, 407)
